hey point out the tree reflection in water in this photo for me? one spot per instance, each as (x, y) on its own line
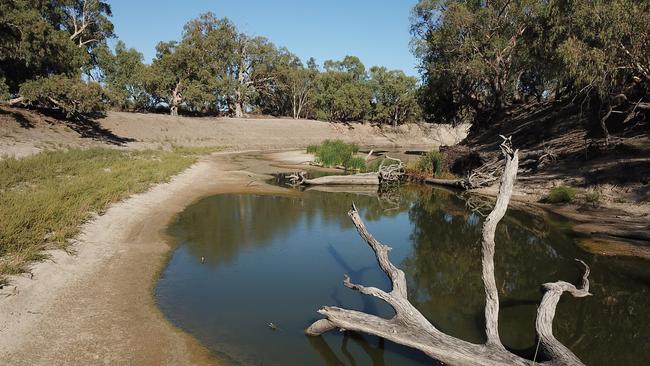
(271, 258)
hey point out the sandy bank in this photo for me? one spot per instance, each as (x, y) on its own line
(96, 307)
(24, 132)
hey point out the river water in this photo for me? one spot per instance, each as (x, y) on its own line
(249, 272)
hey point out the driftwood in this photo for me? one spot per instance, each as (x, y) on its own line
(353, 179)
(410, 328)
(458, 183)
(392, 172)
(299, 178)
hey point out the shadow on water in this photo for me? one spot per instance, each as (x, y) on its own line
(271, 259)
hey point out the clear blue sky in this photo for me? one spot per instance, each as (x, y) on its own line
(377, 31)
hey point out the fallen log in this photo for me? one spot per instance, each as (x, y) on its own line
(458, 183)
(410, 328)
(353, 179)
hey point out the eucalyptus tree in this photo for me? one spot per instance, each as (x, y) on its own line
(255, 68)
(343, 92)
(124, 75)
(292, 90)
(468, 52)
(50, 43)
(192, 72)
(605, 48)
(394, 96)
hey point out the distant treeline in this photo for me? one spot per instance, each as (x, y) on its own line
(55, 54)
(477, 57)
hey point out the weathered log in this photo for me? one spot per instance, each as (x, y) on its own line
(353, 179)
(458, 183)
(16, 100)
(410, 328)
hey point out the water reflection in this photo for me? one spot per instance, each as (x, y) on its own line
(278, 259)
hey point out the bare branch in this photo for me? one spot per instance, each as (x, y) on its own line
(410, 328)
(546, 312)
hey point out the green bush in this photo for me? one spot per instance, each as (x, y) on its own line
(429, 163)
(561, 194)
(355, 163)
(333, 153)
(70, 94)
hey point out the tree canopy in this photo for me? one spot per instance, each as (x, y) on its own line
(47, 44)
(476, 57)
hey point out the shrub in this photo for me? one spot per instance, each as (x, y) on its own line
(429, 163)
(70, 94)
(333, 153)
(355, 163)
(373, 166)
(561, 194)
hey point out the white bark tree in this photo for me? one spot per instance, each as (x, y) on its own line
(410, 328)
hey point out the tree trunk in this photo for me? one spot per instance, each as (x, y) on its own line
(239, 105)
(410, 328)
(241, 80)
(175, 100)
(294, 106)
(603, 124)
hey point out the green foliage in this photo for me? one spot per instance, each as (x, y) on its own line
(69, 94)
(478, 57)
(561, 194)
(394, 96)
(125, 76)
(373, 166)
(429, 163)
(4, 89)
(333, 153)
(342, 91)
(44, 198)
(355, 163)
(46, 45)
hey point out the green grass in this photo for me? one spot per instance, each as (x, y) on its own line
(332, 153)
(561, 194)
(428, 164)
(46, 197)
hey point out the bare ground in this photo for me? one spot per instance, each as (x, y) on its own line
(24, 132)
(96, 307)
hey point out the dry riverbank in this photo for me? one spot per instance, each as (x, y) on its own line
(95, 306)
(24, 132)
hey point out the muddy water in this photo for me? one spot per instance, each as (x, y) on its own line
(245, 261)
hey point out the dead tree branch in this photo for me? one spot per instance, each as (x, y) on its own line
(410, 328)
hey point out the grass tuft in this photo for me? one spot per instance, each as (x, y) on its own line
(332, 153)
(561, 194)
(428, 164)
(46, 197)
(592, 196)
